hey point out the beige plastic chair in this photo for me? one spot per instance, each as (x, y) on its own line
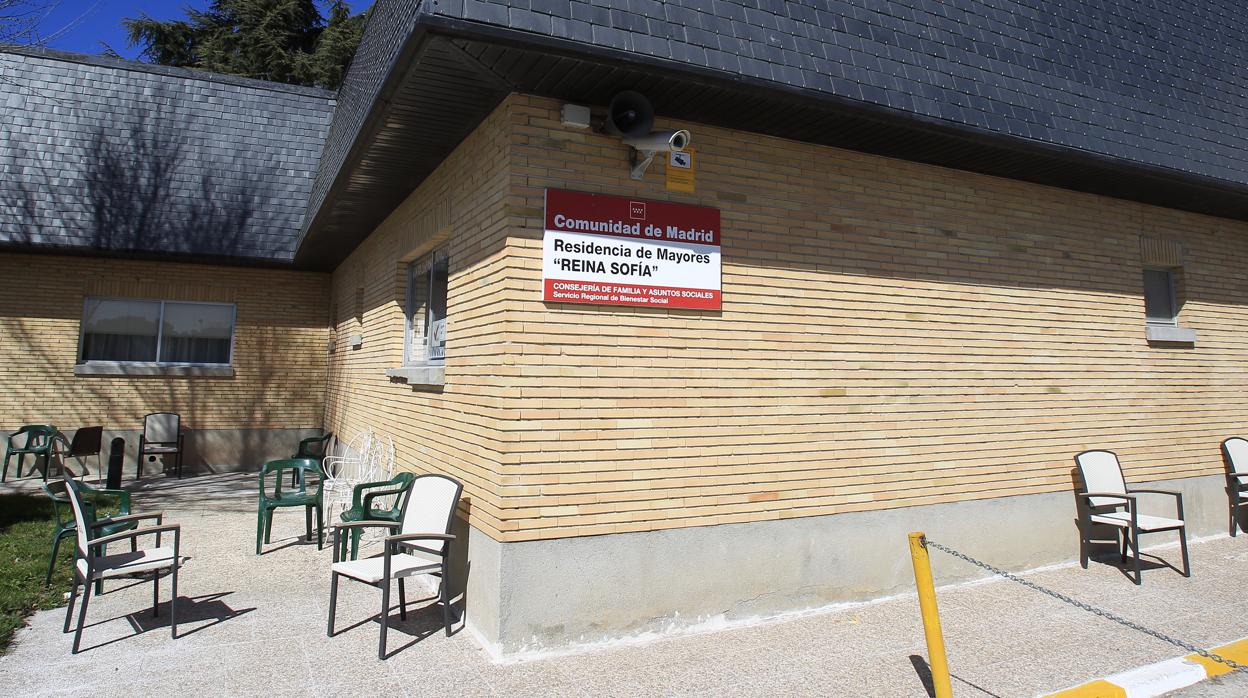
(91, 565)
(1235, 453)
(1106, 500)
(421, 546)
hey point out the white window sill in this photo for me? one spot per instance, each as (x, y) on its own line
(127, 368)
(1170, 333)
(432, 375)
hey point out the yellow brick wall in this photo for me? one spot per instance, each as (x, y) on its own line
(892, 334)
(460, 429)
(279, 346)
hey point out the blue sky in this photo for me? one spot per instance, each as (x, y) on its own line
(85, 26)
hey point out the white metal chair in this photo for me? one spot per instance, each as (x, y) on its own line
(1235, 453)
(92, 564)
(421, 546)
(343, 471)
(1105, 499)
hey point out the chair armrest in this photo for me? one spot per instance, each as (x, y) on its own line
(365, 524)
(368, 498)
(1238, 475)
(1172, 493)
(126, 535)
(1128, 498)
(405, 537)
(158, 515)
(358, 490)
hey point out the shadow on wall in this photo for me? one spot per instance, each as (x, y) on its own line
(138, 185)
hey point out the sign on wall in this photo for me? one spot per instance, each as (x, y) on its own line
(613, 250)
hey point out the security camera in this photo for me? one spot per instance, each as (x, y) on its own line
(661, 141)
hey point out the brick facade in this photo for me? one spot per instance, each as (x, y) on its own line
(279, 345)
(892, 334)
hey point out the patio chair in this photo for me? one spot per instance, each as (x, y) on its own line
(93, 564)
(86, 442)
(352, 465)
(419, 544)
(310, 501)
(63, 512)
(1105, 499)
(312, 447)
(162, 436)
(375, 501)
(39, 441)
(1235, 455)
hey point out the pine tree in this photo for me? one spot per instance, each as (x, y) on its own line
(280, 40)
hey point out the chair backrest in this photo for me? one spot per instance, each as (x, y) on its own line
(56, 491)
(86, 441)
(161, 427)
(1235, 451)
(37, 434)
(80, 517)
(430, 506)
(317, 448)
(1101, 472)
(302, 466)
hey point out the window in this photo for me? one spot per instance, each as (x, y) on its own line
(425, 326)
(165, 332)
(1159, 302)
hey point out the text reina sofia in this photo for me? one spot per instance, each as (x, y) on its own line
(671, 232)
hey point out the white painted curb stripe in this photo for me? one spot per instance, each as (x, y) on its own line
(1160, 678)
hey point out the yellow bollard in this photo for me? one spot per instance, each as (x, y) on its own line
(936, 659)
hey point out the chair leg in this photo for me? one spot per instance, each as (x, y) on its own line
(1187, 568)
(47, 463)
(4, 474)
(21, 459)
(268, 526)
(333, 602)
(56, 546)
(385, 617)
(1234, 511)
(99, 583)
(73, 597)
(402, 601)
(173, 602)
(156, 594)
(320, 528)
(307, 523)
(1135, 544)
(446, 605)
(1124, 546)
(355, 542)
(259, 529)
(82, 615)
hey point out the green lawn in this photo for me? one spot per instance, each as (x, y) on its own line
(26, 527)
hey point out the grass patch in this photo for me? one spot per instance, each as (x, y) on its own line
(26, 526)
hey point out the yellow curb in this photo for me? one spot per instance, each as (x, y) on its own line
(1161, 677)
(1236, 652)
(1095, 689)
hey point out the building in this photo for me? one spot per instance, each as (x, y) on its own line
(957, 244)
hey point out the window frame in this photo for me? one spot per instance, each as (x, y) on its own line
(160, 332)
(423, 266)
(1173, 320)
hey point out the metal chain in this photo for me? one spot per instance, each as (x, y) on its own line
(1087, 607)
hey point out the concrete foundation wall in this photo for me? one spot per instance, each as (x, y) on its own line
(207, 450)
(561, 593)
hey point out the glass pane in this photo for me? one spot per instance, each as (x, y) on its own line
(437, 309)
(119, 330)
(1158, 296)
(196, 333)
(417, 297)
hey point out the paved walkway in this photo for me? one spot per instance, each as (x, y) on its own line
(256, 626)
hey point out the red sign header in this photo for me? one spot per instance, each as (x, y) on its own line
(659, 221)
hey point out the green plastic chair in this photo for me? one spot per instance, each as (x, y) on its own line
(39, 439)
(276, 499)
(362, 506)
(312, 447)
(93, 500)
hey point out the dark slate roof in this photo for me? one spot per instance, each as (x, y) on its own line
(1141, 99)
(126, 157)
(1158, 82)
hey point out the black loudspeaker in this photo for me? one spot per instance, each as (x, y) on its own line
(629, 115)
